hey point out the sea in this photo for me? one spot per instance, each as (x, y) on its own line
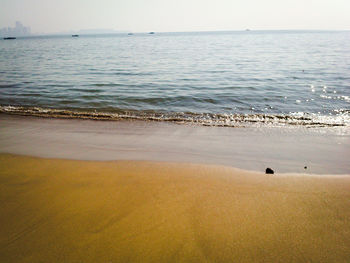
(236, 78)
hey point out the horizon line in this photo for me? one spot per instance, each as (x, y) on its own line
(164, 32)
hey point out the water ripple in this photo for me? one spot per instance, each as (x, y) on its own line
(255, 74)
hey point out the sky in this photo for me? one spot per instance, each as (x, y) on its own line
(49, 16)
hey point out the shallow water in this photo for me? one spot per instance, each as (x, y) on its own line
(212, 78)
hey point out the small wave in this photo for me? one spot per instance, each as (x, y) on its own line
(121, 73)
(86, 90)
(9, 86)
(205, 119)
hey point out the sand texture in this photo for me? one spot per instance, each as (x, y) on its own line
(132, 211)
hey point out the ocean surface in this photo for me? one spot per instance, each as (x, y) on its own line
(210, 78)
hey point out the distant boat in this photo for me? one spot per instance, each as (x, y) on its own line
(130, 34)
(247, 29)
(75, 35)
(8, 38)
(151, 33)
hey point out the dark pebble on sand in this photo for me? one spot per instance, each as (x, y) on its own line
(269, 171)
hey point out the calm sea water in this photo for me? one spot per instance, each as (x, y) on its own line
(214, 78)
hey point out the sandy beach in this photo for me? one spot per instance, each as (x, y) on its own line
(135, 191)
(135, 211)
(174, 131)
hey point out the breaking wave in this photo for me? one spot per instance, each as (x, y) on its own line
(205, 119)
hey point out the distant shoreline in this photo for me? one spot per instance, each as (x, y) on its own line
(251, 31)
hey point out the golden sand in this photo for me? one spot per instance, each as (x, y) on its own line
(127, 211)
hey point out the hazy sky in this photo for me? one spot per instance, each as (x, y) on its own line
(175, 15)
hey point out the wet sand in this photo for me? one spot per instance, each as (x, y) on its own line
(285, 149)
(136, 211)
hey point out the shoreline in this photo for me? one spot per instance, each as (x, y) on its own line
(242, 120)
(284, 149)
(118, 211)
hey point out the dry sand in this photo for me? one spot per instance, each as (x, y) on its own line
(132, 211)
